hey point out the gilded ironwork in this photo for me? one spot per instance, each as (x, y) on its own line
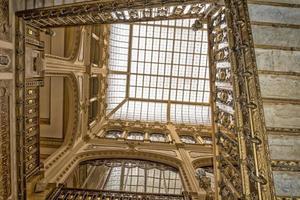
(99, 12)
(72, 194)
(242, 160)
(241, 156)
(205, 183)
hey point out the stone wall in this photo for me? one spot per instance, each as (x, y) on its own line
(276, 33)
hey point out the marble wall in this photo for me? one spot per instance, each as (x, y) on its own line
(276, 30)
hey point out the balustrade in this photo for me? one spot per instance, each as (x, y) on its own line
(61, 193)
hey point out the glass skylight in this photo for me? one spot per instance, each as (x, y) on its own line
(166, 70)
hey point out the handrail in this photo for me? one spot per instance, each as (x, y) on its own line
(61, 193)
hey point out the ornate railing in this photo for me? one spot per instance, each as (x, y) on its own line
(104, 12)
(241, 155)
(61, 193)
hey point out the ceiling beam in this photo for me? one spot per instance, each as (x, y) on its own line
(116, 108)
(171, 102)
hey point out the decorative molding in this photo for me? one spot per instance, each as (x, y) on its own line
(48, 142)
(199, 130)
(70, 137)
(280, 73)
(5, 158)
(276, 25)
(269, 100)
(5, 26)
(286, 165)
(287, 198)
(283, 131)
(266, 46)
(270, 3)
(202, 162)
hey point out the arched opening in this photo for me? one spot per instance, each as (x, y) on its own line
(126, 175)
(56, 113)
(61, 42)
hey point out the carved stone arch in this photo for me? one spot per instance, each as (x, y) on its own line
(77, 40)
(73, 123)
(125, 154)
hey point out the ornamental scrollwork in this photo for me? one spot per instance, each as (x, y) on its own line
(223, 75)
(226, 120)
(285, 165)
(224, 96)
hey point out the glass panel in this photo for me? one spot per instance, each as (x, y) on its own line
(114, 179)
(168, 63)
(144, 111)
(158, 137)
(144, 176)
(135, 136)
(113, 134)
(187, 139)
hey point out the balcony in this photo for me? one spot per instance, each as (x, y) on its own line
(61, 193)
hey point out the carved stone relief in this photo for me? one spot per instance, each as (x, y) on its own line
(4, 20)
(5, 174)
(5, 60)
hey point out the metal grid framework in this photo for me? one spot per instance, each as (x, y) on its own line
(169, 62)
(119, 50)
(166, 69)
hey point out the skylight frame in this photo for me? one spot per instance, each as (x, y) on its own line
(124, 109)
(181, 25)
